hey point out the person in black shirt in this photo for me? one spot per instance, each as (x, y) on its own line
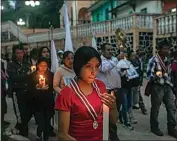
(40, 85)
(45, 53)
(18, 70)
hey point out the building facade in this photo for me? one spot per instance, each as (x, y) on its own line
(144, 7)
(100, 10)
(77, 12)
(169, 6)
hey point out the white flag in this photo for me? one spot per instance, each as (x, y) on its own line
(94, 44)
(68, 42)
(54, 58)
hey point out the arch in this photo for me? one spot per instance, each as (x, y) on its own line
(83, 16)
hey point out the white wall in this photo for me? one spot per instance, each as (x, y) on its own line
(152, 7)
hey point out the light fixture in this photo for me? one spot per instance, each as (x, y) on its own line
(20, 22)
(2, 7)
(173, 10)
(32, 3)
(27, 3)
(37, 3)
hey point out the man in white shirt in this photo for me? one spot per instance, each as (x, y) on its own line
(109, 74)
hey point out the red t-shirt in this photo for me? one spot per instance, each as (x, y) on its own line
(81, 122)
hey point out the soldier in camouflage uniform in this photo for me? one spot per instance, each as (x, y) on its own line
(18, 70)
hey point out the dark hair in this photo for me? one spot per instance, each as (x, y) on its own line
(82, 56)
(41, 49)
(162, 44)
(103, 46)
(42, 59)
(14, 48)
(65, 54)
(34, 53)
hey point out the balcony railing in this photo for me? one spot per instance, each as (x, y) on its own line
(166, 24)
(126, 23)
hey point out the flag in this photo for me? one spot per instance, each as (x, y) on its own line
(54, 58)
(94, 44)
(68, 42)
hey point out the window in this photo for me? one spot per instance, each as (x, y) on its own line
(98, 17)
(144, 10)
(107, 14)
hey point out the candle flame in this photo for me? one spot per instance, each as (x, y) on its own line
(33, 68)
(159, 73)
(41, 76)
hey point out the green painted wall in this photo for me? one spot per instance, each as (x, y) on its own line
(101, 13)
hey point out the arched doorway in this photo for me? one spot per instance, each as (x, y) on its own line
(83, 16)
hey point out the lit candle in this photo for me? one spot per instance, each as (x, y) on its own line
(33, 68)
(42, 81)
(105, 122)
(159, 73)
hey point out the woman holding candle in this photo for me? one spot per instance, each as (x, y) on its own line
(64, 72)
(80, 104)
(45, 52)
(41, 86)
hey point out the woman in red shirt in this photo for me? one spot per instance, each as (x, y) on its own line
(80, 104)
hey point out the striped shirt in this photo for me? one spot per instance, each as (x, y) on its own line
(153, 67)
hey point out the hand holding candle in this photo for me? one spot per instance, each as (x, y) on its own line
(108, 99)
(42, 82)
(159, 74)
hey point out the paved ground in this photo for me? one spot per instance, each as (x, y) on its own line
(141, 132)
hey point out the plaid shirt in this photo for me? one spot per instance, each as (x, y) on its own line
(154, 66)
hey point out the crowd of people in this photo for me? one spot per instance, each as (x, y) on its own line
(83, 82)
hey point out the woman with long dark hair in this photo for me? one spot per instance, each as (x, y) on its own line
(45, 53)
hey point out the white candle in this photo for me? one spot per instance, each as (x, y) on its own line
(42, 81)
(105, 122)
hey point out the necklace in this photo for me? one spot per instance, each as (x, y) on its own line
(86, 103)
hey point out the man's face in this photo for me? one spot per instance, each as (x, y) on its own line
(19, 54)
(140, 53)
(25, 50)
(107, 53)
(164, 50)
(60, 55)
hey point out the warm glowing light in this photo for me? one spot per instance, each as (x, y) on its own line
(159, 73)
(173, 10)
(33, 68)
(42, 81)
